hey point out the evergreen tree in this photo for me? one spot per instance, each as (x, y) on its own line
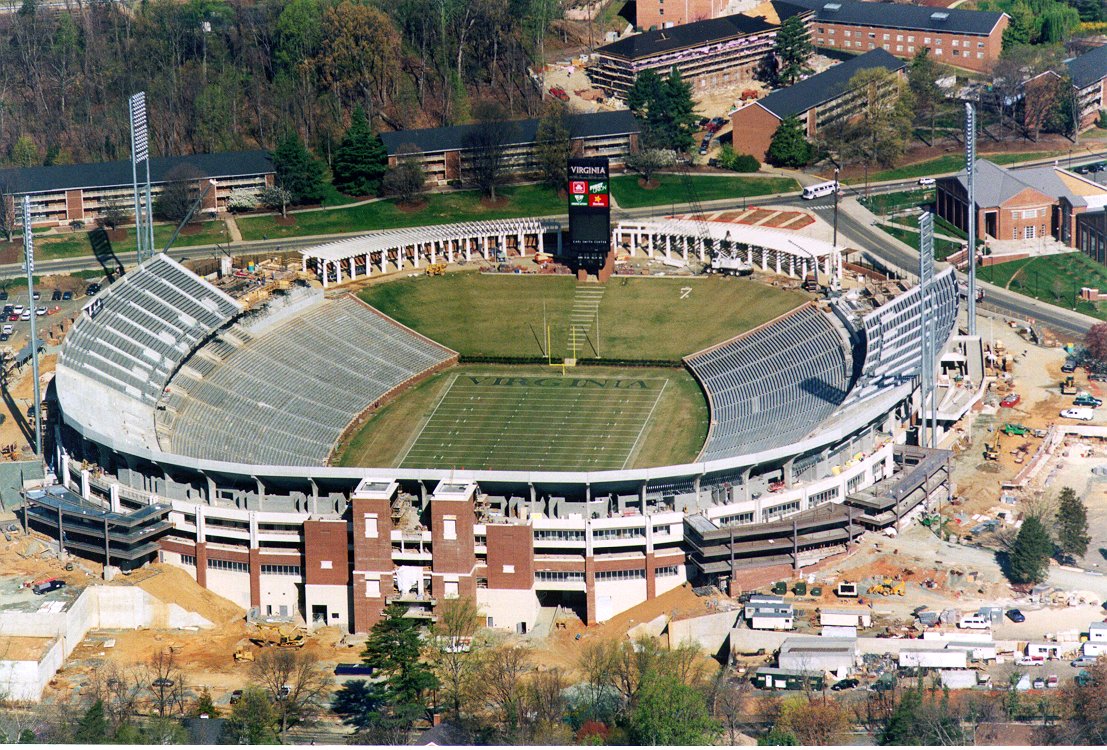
(361, 159)
(665, 108)
(1072, 524)
(298, 171)
(1022, 29)
(252, 720)
(553, 147)
(394, 649)
(668, 712)
(922, 80)
(789, 146)
(680, 122)
(793, 50)
(92, 728)
(1029, 561)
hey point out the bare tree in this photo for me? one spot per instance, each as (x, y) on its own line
(454, 660)
(8, 211)
(487, 146)
(121, 689)
(406, 178)
(598, 664)
(167, 688)
(728, 699)
(295, 682)
(503, 681)
(649, 160)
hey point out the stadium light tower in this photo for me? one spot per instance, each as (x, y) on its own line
(140, 154)
(29, 264)
(927, 385)
(970, 177)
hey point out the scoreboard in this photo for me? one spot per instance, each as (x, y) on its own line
(589, 191)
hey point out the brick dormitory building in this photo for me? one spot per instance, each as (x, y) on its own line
(79, 192)
(817, 102)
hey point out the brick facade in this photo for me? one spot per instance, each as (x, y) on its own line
(970, 51)
(661, 13)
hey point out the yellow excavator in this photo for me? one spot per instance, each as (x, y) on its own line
(888, 587)
(282, 636)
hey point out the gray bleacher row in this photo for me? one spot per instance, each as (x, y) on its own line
(286, 396)
(772, 386)
(149, 322)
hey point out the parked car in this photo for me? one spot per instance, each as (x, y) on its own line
(1039, 683)
(1098, 377)
(17, 309)
(1052, 681)
(8, 309)
(163, 682)
(1083, 414)
(67, 295)
(926, 180)
(1015, 615)
(93, 289)
(1084, 661)
(13, 317)
(3, 294)
(5, 336)
(45, 587)
(1022, 660)
(1011, 399)
(1085, 400)
(1069, 366)
(56, 295)
(36, 295)
(703, 121)
(559, 93)
(8, 329)
(40, 311)
(236, 696)
(845, 684)
(718, 121)
(26, 315)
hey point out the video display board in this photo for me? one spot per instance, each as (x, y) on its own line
(589, 191)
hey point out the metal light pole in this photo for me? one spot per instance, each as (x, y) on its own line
(836, 190)
(29, 264)
(970, 174)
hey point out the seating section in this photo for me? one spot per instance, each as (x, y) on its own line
(149, 322)
(285, 397)
(772, 386)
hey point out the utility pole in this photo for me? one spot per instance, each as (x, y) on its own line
(29, 264)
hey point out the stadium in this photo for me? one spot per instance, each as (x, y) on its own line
(234, 436)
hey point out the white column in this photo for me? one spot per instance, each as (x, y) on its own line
(434, 251)
(353, 268)
(541, 240)
(685, 253)
(368, 266)
(449, 251)
(484, 245)
(522, 245)
(324, 264)
(338, 271)
(84, 480)
(703, 248)
(303, 263)
(778, 262)
(791, 265)
(669, 246)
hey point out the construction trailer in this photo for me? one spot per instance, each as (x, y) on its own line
(773, 678)
(934, 659)
(805, 654)
(857, 618)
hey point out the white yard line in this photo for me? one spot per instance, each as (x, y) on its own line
(645, 424)
(429, 418)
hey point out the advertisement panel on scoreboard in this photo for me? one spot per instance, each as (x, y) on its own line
(589, 192)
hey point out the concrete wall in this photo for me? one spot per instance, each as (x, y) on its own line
(709, 632)
(230, 584)
(508, 607)
(24, 680)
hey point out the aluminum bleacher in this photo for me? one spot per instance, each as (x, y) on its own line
(286, 397)
(133, 336)
(773, 385)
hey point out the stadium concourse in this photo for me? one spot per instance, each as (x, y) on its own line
(175, 397)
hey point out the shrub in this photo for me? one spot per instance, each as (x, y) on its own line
(735, 162)
(242, 200)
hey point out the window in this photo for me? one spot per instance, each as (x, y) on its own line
(871, 45)
(372, 587)
(847, 32)
(979, 56)
(558, 535)
(781, 509)
(449, 527)
(821, 31)
(735, 520)
(605, 534)
(832, 32)
(886, 37)
(830, 43)
(979, 45)
(926, 40)
(938, 40)
(937, 53)
(559, 576)
(854, 483)
(370, 525)
(899, 48)
(956, 43)
(885, 46)
(237, 567)
(872, 35)
(911, 48)
(911, 38)
(620, 575)
(666, 571)
(280, 570)
(956, 53)
(185, 559)
(449, 589)
(823, 497)
(899, 37)
(323, 564)
(508, 569)
(1028, 232)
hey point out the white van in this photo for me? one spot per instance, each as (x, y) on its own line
(1085, 415)
(812, 192)
(975, 622)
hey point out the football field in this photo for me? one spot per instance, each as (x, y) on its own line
(536, 422)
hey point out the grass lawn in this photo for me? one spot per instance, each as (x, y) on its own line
(628, 193)
(1052, 278)
(948, 163)
(639, 318)
(886, 203)
(440, 208)
(942, 248)
(535, 418)
(79, 244)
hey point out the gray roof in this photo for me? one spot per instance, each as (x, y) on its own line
(828, 85)
(1089, 68)
(649, 43)
(996, 185)
(22, 180)
(454, 137)
(903, 16)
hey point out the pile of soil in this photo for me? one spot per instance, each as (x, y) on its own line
(177, 586)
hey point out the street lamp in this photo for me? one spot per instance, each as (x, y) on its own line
(837, 189)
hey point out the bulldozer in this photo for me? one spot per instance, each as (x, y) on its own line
(1068, 388)
(243, 654)
(435, 269)
(888, 587)
(282, 636)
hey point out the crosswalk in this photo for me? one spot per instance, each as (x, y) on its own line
(582, 318)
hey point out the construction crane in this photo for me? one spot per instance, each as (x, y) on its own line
(694, 201)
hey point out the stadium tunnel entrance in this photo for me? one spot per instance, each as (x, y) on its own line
(576, 601)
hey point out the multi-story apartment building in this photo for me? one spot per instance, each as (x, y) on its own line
(708, 54)
(444, 152)
(818, 102)
(79, 192)
(970, 39)
(1087, 74)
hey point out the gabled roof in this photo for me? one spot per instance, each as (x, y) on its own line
(903, 16)
(454, 137)
(1089, 68)
(22, 180)
(655, 42)
(826, 86)
(996, 185)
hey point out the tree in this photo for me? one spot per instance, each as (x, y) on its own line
(878, 135)
(252, 720)
(736, 162)
(1029, 559)
(275, 198)
(361, 159)
(922, 80)
(298, 171)
(1072, 524)
(9, 212)
(668, 712)
(204, 706)
(25, 153)
(793, 50)
(177, 197)
(454, 659)
(666, 109)
(360, 704)
(92, 729)
(406, 178)
(553, 145)
(113, 212)
(648, 161)
(487, 145)
(360, 55)
(789, 146)
(1083, 711)
(167, 686)
(1022, 28)
(814, 721)
(921, 720)
(242, 199)
(1095, 341)
(295, 682)
(394, 649)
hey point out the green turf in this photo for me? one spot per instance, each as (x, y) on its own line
(629, 194)
(1055, 279)
(888, 203)
(946, 164)
(550, 423)
(80, 243)
(440, 208)
(942, 248)
(537, 418)
(640, 318)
